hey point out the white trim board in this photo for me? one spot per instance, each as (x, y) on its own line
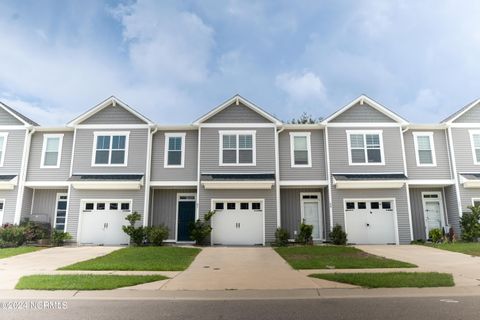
(429, 134)
(364, 133)
(47, 136)
(110, 150)
(307, 136)
(166, 151)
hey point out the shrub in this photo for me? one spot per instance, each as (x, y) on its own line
(305, 235)
(59, 237)
(12, 236)
(470, 225)
(338, 236)
(156, 235)
(281, 237)
(435, 235)
(201, 230)
(450, 235)
(418, 241)
(35, 231)
(137, 234)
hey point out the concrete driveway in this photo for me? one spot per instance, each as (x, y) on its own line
(45, 261)
(232, 268)
(464, 268)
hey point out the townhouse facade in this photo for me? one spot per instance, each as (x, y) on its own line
(383, 179)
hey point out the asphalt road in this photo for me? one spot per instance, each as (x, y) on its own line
(356, 308)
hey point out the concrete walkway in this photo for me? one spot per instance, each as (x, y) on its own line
(45, 261)
(220, 268)
(464, 268)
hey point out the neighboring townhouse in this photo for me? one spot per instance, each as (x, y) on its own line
(383, 179)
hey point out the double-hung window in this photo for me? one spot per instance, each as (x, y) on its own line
(475, 142)
(110, 149)
(3, 146)
(365, 147)
(174, 150)
(300, 149)
(51, 150)
(237, 148)
(424, 149)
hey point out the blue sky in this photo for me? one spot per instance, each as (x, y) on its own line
(175, 60)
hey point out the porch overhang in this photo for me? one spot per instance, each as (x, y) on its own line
(107, 182)
(369, 181)
(470, 180)
(238, 181)
(8, 182)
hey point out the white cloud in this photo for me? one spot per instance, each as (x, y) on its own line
(302, 87)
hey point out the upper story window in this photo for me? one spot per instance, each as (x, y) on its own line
(475, 142)
(51, 150)
(174, 150)
(3, 147)
(237, 148)
(110, 148)
(365, 147)
(424, 149)
(300, 149)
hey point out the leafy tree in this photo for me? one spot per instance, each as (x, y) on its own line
(470, 225)
(305, 118)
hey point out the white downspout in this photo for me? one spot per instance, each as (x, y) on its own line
(455, 173)
(148, 169)
(329, 178)
(277, 177)
(407, 186)
(23, 175)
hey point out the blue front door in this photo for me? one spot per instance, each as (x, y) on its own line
(186, 216)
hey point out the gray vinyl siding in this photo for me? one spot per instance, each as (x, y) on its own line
(137, 197)
(471, 116)
(441, 170)
(290, 207)
(113, 115)
(237, 114)
(452, 208)
(466, 196)
(45, 202)
(6, 119)
(10, 197)
(164, 208)
(189, 172)
(400, 196)
(35, 173)
(339, 151)
(14, 152)
(26, 203)
(317, 171)
(362, 113)
(270, 210)
(418, 216)
(137, 152)
(209, 151)
(463, 150)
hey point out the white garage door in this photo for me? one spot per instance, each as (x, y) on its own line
(370, 221)
(102, 221)
(237, 222)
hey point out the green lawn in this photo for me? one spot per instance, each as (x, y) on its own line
(9, 252)
(470, 248)
(391, 279)
(82, 282)
(335, 257)
(141, 259)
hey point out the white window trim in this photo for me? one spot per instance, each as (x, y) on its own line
(432, 149)
(56, 211)
(4, 147)
(237, 133)
(2, 212)
(44, 149)
(110, 133)
(473, 201)
(440, 201)
(320, 211)
(472, 145)
(182, 161)
(364, 133)
(292, 149)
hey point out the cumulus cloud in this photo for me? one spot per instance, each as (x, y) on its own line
(302, 87)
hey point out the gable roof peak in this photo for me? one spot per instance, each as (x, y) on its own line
(457, 114)
(17, 115)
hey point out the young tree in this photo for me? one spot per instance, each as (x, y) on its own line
(305, 118)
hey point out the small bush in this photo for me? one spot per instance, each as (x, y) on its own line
(35, 231)
(281, 237)
(12, 236)
(470, 225)
(137, 234)
(201, 230)
(156, 235)
(305, 235)
(338, 236)
(59, 237)
(435, 235)
(418, 241)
